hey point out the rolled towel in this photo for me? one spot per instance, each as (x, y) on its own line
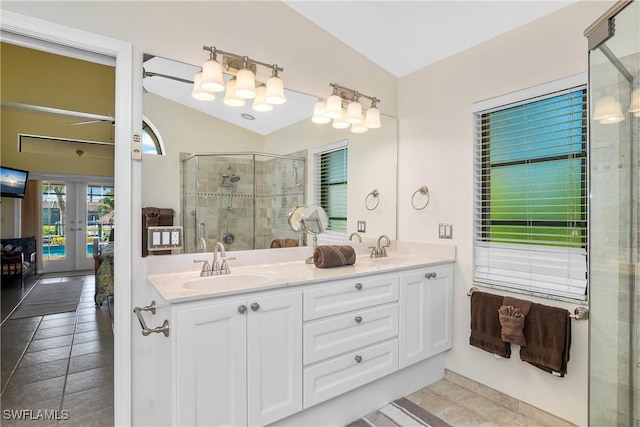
(512, 323)
(325, 256)
(284, 243)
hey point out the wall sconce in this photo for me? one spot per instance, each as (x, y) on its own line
(242, 85)
(344, 108)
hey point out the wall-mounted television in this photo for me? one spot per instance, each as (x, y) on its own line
(13, 182)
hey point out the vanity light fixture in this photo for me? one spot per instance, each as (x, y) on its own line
(634, 108)
(242, 85)
(344, 107)
(608, 111)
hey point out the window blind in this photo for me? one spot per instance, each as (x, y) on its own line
(530, 198)
(331, 189)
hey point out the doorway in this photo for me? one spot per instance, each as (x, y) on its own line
(77, 218)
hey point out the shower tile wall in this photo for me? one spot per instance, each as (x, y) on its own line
(229, 211)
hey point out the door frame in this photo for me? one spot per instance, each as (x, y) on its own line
(47, 33)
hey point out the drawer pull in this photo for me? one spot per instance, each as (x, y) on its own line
(242, 308)
(430, 275)
(358, 286)
(358, 359)
(358, 319)
(255, 306)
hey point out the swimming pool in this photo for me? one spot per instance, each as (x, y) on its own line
(60, 250)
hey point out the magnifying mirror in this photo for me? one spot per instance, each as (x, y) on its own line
(315, 219)
(295, 219)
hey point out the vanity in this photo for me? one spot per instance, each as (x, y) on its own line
(276, 339)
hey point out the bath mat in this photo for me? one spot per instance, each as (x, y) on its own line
(399, 413)
(50, 298)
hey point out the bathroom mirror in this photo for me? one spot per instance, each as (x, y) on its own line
(272, 155)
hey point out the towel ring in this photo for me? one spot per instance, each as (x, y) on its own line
(374, 194)
(422, 190)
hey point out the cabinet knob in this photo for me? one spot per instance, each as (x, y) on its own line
(358, 319)
(358, 286)
(431, 275)
(255, 306)
(358, 359)
(242, 308)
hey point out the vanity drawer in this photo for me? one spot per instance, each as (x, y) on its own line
(338, 334)
(341, 374)
(350, 295)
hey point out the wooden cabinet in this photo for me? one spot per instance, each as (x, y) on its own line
(426, 313)
(238, 362)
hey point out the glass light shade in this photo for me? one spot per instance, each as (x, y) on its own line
(319, 109)
(372, 118)
(275, 91)
(245, 84)
(259, 103)
(212, 80)
(230, 97)
(635, 102)
(354, 112)
(334, 107)
(199, 93)
(341, 122)
(608, 111)
(359, 128)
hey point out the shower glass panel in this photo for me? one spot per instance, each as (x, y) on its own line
(241, 199)
(614, 81)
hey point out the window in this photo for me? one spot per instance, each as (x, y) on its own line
(151, 140)
(331, 186)
(530, 213)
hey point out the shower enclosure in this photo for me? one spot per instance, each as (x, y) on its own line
(240, 199)
(614, 254)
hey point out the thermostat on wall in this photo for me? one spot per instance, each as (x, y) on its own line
(163, 238)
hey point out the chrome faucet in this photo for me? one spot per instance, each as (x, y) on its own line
(216, 267)
(202, 243)
(379, 251)
(356, 235)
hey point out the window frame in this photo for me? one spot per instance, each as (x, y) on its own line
(330, 235)
(497, 272)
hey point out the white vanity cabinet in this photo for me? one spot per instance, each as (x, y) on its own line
(426, 313)
(350, 335)
(237, 362)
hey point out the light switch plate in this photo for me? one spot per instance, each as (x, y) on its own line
(445, 231)
(362, 226)
(164, 238)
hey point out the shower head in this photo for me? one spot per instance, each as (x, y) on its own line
(234, 178)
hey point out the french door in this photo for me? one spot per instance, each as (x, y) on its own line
(74, 214)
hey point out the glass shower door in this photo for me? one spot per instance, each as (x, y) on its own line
(614, 255)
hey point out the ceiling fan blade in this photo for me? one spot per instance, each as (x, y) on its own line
(58, 111)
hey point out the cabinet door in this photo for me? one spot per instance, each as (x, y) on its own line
(440, 309)
(211, 365)
(274, 357)
(426, 310)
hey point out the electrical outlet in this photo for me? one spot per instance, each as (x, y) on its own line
(362, 226)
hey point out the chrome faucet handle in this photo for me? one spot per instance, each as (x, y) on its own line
(374, 252)
(206, 267)
(224, 267)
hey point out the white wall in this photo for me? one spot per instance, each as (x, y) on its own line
(436, 149)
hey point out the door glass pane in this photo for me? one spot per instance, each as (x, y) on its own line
(100, 215)
(54, 198)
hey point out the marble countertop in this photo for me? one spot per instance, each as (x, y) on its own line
(272, 269)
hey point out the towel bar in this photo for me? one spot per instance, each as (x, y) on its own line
(164, 329)
(580, 313)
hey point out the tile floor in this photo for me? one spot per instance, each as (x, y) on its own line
(59, 363)
(458, 402)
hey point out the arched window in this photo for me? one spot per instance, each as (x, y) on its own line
(151, 139)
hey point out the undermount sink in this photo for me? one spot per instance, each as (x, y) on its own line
(227, 281)
(393, 259)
